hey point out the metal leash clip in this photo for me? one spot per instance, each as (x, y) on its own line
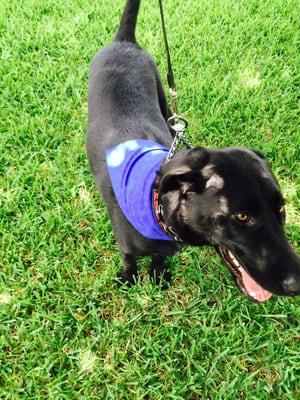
(178, 124)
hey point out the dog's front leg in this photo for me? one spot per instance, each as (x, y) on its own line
(159, 272)
(129, 272)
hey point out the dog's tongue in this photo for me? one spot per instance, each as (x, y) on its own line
(253, 289)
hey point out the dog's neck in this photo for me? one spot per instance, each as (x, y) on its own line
(159, 214)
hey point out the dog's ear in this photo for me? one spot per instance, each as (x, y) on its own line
(183, 170)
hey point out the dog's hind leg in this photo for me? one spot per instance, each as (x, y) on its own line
(159, 271)
(129, 272)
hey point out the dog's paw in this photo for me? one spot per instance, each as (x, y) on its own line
(126, 278)
(160, 276)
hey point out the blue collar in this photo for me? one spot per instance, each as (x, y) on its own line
(133, 167)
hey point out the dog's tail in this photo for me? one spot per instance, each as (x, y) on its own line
(126, 32)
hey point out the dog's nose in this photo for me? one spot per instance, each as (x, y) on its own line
(291, 285)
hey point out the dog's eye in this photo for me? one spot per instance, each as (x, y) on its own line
(242, 217)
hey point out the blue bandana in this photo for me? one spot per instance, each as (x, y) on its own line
(133, 167)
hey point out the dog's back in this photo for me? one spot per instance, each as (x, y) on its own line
(126, 102)
(126, 99)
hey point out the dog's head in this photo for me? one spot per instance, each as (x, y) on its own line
(229, 198)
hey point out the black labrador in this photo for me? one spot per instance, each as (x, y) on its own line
(227, 198)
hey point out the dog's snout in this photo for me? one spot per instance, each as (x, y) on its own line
(291, 285)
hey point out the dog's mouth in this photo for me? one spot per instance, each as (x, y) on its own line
(250, 288)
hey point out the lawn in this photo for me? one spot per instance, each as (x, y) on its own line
(67, 331)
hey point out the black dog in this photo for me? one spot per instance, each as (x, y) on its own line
(227, 198)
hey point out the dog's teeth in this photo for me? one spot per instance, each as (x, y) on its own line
(236, 263)
(230, 254)
(233, 259)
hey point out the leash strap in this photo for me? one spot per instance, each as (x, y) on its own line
(170, 75)
(176, 123)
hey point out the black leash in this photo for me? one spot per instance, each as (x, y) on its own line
(170, 75)
(176, 122)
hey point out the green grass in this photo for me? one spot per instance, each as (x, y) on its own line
(66, 330)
